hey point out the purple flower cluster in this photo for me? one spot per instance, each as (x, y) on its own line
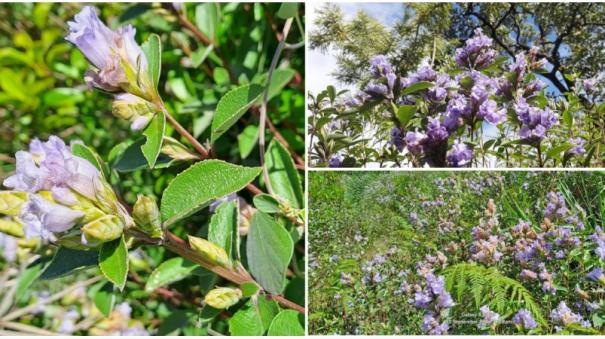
(459, 155)
(397, 138)
(535, 121)
(477, 52)
(598, 237)
(335, 161)
(436, 301)
(524, 319)
(489, 318)
(565, 316)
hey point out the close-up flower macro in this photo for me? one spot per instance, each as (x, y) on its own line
(151, 169)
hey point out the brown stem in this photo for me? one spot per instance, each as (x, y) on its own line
(182, 248)
(297, 158)
(182, 131)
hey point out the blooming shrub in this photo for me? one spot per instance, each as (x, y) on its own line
(476, 110)
(460, 253)
(121, 242)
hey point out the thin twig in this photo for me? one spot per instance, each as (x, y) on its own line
(182, 131)
(263, 107)
(26, 328)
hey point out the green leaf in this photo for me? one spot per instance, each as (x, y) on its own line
(247, 140)
(103, 297)
(420, 85)
(287, 10)
(174, 322)
(295, 291)
(206, 19)
(287, 323)
(200, 184)
(113, 261)
(155, 134)
(88, 154)
(27, 278)
(279, 79)
(171, 270)
(223, 228)
(232, 106)
(568, 118)
(555, 152)
(253, 320)
(221, 76)
(62, 97)
(269, 250)
(405, 114)
(283, 175)
(200, 55)
(266, 203)
(248, 289)
(331, 92)
(132, 158)
(153, 51)
(67, 261)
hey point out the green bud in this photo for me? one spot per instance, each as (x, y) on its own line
(223, 297)
(210, 251)
(147, 216)
(11, 227)
(174, 149)
(11, 202)
(104, 229)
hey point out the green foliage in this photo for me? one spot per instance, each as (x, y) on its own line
(113, 261)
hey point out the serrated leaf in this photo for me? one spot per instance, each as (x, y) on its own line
(287, 323)
(266, 203)
(420, 85)
(223, 228)
(279, 79)
(287, 10)
(247, 140)
(113, 261)
(153, 51)
(200, 184)
(67, 261)
(155, 134)
(170, 271)
(405, 114)
(232, 106)
(283, 174)
(269, 250)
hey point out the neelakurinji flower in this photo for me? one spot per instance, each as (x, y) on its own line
(63, 190)
(524, 319)
(460, 155)
(477, 52)
(489, 317)
(120, 65)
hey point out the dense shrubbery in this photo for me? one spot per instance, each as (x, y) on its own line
(108, 234)
(464, 253)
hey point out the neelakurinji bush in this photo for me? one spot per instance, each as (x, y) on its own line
(459, 253)
(238, 267)
(476, 109)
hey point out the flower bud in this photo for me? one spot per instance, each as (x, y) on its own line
(134, 109)
(223, 297)
(210, 251)
(11, 202)
(11, 227)
(147, 216)
(102, 230)
(174, 149)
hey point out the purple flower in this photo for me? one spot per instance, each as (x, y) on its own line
(519, 65)
(380, 66)
(424, 73)
(335, 161)
(563, 315)
(533, 87)
(8, 245)
(435, 131)
(524, 319)
(489, 319)
(477, 52)
(375, 89)
(457, 108)
(460, 155)
(578, 146)
(414, 141)
(109, 51)
(596, 274)
(397, 138)
(589, 85)
(489, 111)
(535, 121)
(41, 218)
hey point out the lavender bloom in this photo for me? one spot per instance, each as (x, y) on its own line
(596, 274)
(375, 89)
(397, 138)
(380, 66)
(457, 108)
(424, 73)
(578, 146)
(9, 245)
(414, 141)
(431, 325)
(533, 87)
(439, 91)
(519, 65)
(535, 121)
(109, 51)
(436, 132)
(68, 322)
(460, 155)
(589, 85)
(563, 315)
(489, 111)
(335, 161)
(42, 218)
(490, 318)
(477, 52)
(524, 319)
